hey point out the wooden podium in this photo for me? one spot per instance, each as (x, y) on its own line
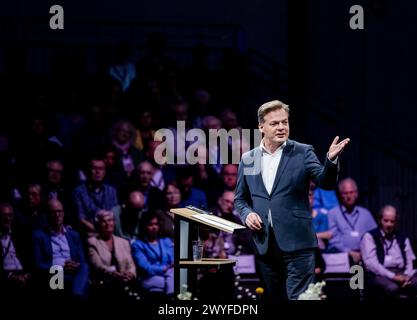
(187, 221)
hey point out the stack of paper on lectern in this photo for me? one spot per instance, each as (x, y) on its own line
(208, 219)
(218, 222)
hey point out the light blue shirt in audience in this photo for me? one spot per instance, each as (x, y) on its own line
(60, 248)
(348, 228)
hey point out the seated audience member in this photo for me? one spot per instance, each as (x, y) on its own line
(56, 245)
(228, 179)
(55, 188)
(155, 153)
(220, 244)
(349, 222)
(30, 211)
(154, 257)
(144, 131)
(320, 222)
(189, 194)
(321, 227)
(230, 121)
(131, 213)
(166, 218)
(123, 136)
(178, 113)
(110, 256)
(200, 106)
(142, 182)
(325, 199)
(94, 195)
(388, 257)
(15, 258)
(35, 145)
(162, 172)
(115, 174)
(213, 149)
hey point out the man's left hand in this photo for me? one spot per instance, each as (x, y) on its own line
(336, 148)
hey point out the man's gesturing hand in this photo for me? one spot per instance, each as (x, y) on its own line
(336, 148)
(253, 221)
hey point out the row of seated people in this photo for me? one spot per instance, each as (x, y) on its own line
(104, 261)
(46, 160)
(97, 192)
(107, 242)
(386, 253)
(399, 272)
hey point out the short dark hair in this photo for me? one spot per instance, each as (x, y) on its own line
(145, 219)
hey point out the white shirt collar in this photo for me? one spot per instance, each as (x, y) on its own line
(384, 235)
(354, 211)
(262, 146)
(64, 231)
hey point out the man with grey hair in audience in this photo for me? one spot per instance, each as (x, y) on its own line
(56, 245)
(94, 195)
(348, 222)
(15, 255)
(388, 257)
(141, 181)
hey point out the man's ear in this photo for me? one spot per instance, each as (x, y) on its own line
(261, 127)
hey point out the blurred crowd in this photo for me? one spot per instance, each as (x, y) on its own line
(80, 187)
(79, 184)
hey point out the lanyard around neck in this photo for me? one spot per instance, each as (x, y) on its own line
(351, 225)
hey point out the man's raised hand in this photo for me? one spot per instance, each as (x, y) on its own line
(336, 148)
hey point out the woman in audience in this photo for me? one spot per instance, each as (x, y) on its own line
(110, 256)
(172, 200)
(154, 257)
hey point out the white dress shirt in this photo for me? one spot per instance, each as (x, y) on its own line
(269, 167)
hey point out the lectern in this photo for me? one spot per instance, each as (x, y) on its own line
(187, 221)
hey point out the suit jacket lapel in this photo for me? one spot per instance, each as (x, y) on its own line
(71, 245)
(48, 245)
(286, 153)
(258, 162)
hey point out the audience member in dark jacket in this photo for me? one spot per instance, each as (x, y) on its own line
(60, 246)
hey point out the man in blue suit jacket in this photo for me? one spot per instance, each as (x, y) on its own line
(272, 200)
(57, 245)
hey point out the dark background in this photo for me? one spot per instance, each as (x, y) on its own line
(337, 81)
